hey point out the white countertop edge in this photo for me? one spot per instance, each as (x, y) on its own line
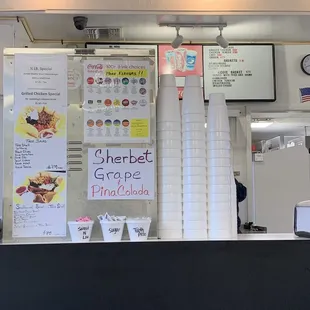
(244, 237)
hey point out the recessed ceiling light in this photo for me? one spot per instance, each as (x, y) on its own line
(261, 124)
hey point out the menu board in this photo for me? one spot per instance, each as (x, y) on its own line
(241, 72)
(40, 144)
(183, 61)
(121, 173)
(116, 101)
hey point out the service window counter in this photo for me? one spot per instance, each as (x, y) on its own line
(87, 160)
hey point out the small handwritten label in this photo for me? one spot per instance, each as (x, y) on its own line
(140, 231)
(114, 230)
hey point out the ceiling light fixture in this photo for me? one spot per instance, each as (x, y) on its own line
(261, 124)
(220, 40)
(177, 42)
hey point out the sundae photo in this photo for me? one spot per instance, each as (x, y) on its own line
(41, 188)
(39, 123)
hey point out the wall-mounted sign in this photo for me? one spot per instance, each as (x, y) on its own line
(40, 146)
(183, 61)
(121, 174)
(241, 72)
(116, 101)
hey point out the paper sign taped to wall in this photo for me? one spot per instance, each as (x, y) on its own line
(121, 173)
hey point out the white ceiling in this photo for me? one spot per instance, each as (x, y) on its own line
(145, 27)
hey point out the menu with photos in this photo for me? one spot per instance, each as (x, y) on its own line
(40, 128)
(116, 101)
(241, 72)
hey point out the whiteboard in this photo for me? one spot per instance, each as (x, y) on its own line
(241, 72)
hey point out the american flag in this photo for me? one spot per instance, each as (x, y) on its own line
(305, 94)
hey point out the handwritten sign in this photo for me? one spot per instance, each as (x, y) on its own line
(121, 173)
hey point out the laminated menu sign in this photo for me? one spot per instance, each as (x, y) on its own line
(121, 173)
(116, 101)
(182, 62)
(40, 146)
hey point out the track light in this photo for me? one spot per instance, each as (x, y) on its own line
(177, 42)
(220, 40)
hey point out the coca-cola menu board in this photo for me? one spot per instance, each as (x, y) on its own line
(241, 72)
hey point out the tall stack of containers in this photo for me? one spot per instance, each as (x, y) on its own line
(194, 161)
(220, 177)
(169, 154)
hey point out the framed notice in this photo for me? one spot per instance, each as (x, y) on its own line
(121, 174)
(243, 72)
(183, 61)
(116, 101)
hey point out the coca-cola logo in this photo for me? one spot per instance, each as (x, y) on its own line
(95, 67)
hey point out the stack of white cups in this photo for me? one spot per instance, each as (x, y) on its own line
(194, 161)
(169, 153)
(221, 191)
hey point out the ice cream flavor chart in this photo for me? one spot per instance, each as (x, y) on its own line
(116, 101)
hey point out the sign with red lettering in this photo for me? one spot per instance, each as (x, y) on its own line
(121, 174)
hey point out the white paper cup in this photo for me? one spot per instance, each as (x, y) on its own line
(195, 198)
(170, 234)
(194, 153)
(219, 234)
(222, 206)
(194, 144)
(194, 179)
(195, 215)
(169, 216)
(169, 135)
(218, 154)
(80, 231)
(167, 104)
(169, 144)
(193, 127)
(169, 153)
(169, 206)
(138, 229)
(194, 207)
(219, 180)
(219, 162)
(167, 80)
(169, 162)
(171, 197)
(194, 162)
(218, 145)
(195, 234)
(112, 231)
(195, 188)
(170, 225)
(219, 220)
(174, 126)
(194, 118)
(220, 189)
(195, 225)
(192, 170)
(169, 188)
(193, 135)
(218, 136)
(168, 180)
(218, 171)
(217, 198)
(169, 171)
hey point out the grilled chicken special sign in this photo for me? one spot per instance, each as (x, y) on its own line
(121, 173)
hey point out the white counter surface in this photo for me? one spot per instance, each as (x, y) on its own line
(243, 237)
